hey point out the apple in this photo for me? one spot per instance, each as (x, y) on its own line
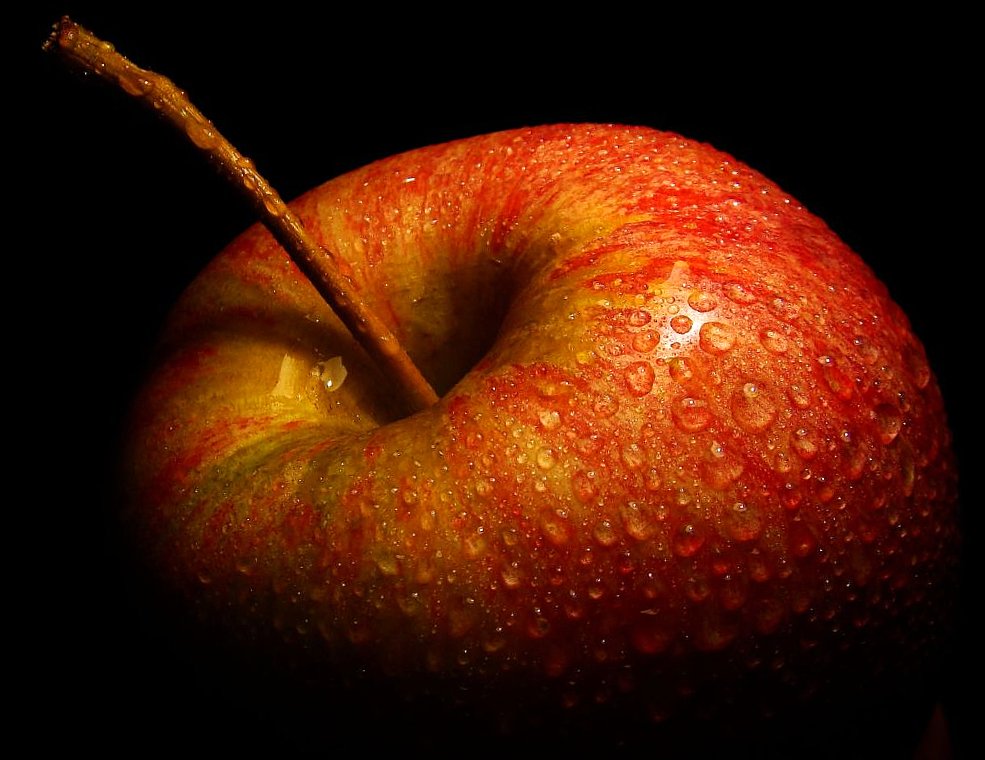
(689, 467)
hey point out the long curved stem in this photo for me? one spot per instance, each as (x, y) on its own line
(83, 50)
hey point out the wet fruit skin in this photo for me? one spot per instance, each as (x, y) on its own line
(689, 463)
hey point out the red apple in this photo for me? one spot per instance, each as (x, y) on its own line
(689, 462)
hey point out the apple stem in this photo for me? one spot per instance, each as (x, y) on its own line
(83, 50)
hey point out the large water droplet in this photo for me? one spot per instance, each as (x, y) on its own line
(800, 540)
(888, 421)
(332, 373)
(202, 134)
(546, 458)
(687, 541)
(738, 293)
(752, 409)
(639, 317)
(716, 337)
(681, 324)
(680, 369)
(639, 378)
(636, 521)
(135, 84)
(837, 381)
(645, 341)
(555, 527)
(550, 419)
(743, 522)
(773, 341)
(633, 456)
(583, 485)
(804, 443)
(691, 414)
(701, 301)
(605, 533)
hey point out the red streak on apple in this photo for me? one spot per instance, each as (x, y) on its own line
(702, 445)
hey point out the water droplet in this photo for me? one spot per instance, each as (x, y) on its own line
(645, 341)
(701, 301)
(651, 636)
(889, 422)
(743, 523)
(800, 540)
(722, 468)
(837, 381)
(605, 533)
(633, 456)
(546, 458)
(681, 324)
(512, 578)
(274, 205)
(916, 366)
(773, 341)
(550, 419)
(332, 373)
(716, 337)
(483, 487)
(688, 541)
(202, 134)
(799, 396)
(538, 627)
(636, 521)
(804, 444)
(583, 486)
(680, 369)
(639, 317)
(783, 309)
(135, 84)
(738, 294)
(752, 409)
(639, 378)
(691, 414)
(605, 406)
(868, 352)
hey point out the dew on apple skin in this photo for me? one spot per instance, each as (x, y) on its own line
(701, 302)
(804, 443)
(687, 541)
(635, 521)
(639, 378)
(550, 419)
(752, 409)
(546, 458)
(332, 373)
(889, 422)
(738, 294)
(680, 369)
(605, 533)
(681, 324)
(716, 337)
(691, 415)
(773, 341)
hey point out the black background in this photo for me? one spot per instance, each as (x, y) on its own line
(870, 127)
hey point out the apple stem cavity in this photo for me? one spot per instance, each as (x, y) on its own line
(82, 50)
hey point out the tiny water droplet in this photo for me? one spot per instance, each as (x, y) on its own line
(701, 301)
(681, 324)
(639, 378)
(716, 337)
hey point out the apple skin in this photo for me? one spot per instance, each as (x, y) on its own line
(689, 462)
